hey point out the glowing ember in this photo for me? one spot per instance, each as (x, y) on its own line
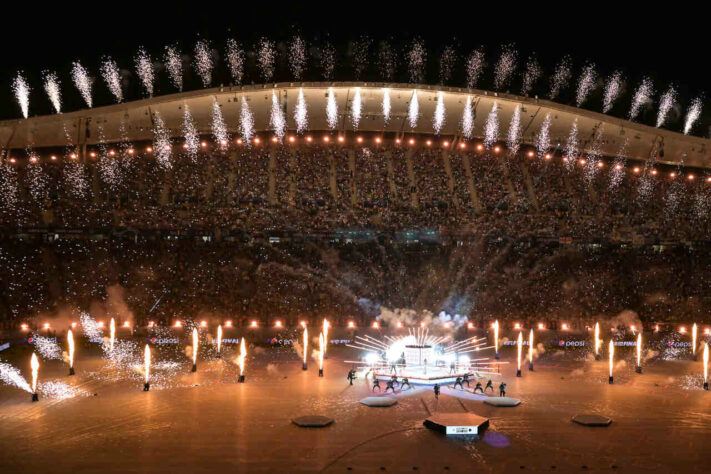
(301, 116)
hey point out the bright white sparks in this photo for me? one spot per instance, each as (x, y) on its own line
(266, 55)
(161, 142)
(692, 115)
(144, 69)
(386, 105)
(218, 126)
(505, 67)
(112, 78)
(559, 79)
(468, 119)
(22, 93)
(82, 82)
(416, 62)
(190, 133)
(356, 109)
(666, 102)
(52, 88)
(586, 84)
(11, 376)
(331, 109)
(246, 122)
(513, 138)
(613, 89)
(235, 60)
(297, 57)
(301, 116)
(440, 114)
(174, 64)
(276, 118)
(491, 129)
(543, 139)
(413, 110)
(475, 67)
(642, 95)
(203, 63)
(530, 76)
(572, 149)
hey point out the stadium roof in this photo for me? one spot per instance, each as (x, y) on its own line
(133, 121)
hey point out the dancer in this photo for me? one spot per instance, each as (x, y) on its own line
(376, 383)
(405, 381)
(479, 387)
(458, 382)
(489, 385)
(389, 385)
(436, 391)
(351, 376)
(502, 390)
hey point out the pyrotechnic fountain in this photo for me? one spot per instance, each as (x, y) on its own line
(706, 366)
(598, 342)
(70, 342)
(638, 369)
(519, 348)
(147, 369)
(34, 364)
(321, 350)
(306, 348)
(195, 349)
(112, 334)
(612, 360)
(219, 340)
(241, 359)
(326, 325)
(530, 350)
(496, 339)
(694, 333)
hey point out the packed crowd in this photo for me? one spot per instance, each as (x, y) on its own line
(314, 188)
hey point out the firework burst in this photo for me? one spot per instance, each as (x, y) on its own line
(505, 67)
(531, 75)
(144, 69)
(235, 60)
(174, 64)
(491, 129)
(266, 58)
(641, 96)
(447, 63)
(387, 61)
(297, 57)
(417, 61)
(613, 89)
(475, 67)
(560, 78)
(53, 90)
(203, 63)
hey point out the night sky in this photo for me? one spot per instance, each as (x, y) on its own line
(667, 47)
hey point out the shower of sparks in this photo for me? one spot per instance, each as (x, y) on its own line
(203, 63)
(276, 118)
(586, 84)
(328, 61)
(594, 155)
(297, 57)
(559, 79)
(235, 61)
(387, 61)
(11, 376)
(331, 110)
(475, 67)
(386, 105)
(572, 149)
(266, 56)
(74, 175)
(543, 139)
(218, 126)
(613, 89)
(513, 139)
(301, 116)
(447, 62)
(55, 390)
(491, 129)
(416, 62)
(440, 114)
(174, 64)
(666, 102)
(8, 186)
(413, 110)
(468, 119)
(505, 67)
(617, 171)
(190, 133)
(530, 76)
(356, 108)
(82, 82)
(641, 96)
(37, 179)
(47, 347)
(361, 48)
(692, 115)
(53, 90)
(246, 122)
(22, 93)
(112, 78)
(161, 142)
(144, 69)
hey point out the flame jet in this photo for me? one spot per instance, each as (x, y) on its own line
(34, 364)
(70, 342)
(195, 349)
(147, 369)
